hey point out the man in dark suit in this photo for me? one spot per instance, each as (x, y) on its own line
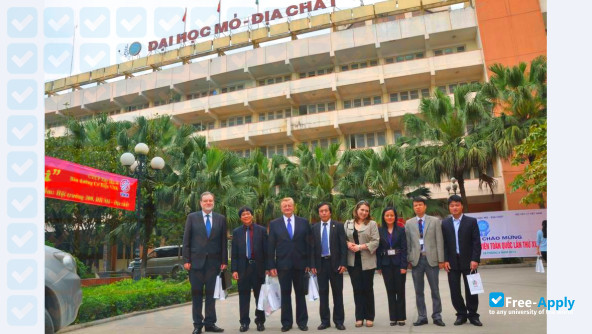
(289, 258)
(205, 254)
(330, 259)
(462, 254)
(249, 254)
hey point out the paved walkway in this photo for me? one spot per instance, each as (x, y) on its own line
(519, 283)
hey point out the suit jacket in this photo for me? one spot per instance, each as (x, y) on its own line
(399, 244)
(337, 245)
(368, 234)
(469, 242)
(286, 253)
(238, 255)
(198, 248)
(432, 240)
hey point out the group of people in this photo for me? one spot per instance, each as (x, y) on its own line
(291, 250)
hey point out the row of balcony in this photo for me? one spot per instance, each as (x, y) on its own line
(341, 47)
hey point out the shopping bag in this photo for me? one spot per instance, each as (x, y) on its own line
(539, 265)
(219, 292)
(274, 294)
(313, 288)
(475, 283)
(262, 297)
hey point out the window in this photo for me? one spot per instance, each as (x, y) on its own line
(347, 104)
(449, 50)
(237, 120)
(425, 92)
(394, 97)
(451, 88)
(407, 57)
(410, 95)
(389, 60)
(377, 100)
(404, 96)
(361, 64)
(316, 108)
(282, 149)
(414, 94)
(367, 101)
(442, 89)
(243, 153)
(397, 135)
(331, 106)
(274, 80)
(362, 140)
(201, 126)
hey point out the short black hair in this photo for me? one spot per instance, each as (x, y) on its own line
(455, 198)
(389, 208)
(323, 204)
(419, 199)
(243, 209)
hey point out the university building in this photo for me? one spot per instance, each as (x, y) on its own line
(350, 85)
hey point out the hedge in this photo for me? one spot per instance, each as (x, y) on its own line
(127, 296)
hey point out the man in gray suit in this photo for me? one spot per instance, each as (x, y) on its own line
(205, 254)
(425, 253)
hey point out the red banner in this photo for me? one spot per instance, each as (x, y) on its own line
(77, 183)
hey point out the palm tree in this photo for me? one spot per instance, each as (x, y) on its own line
(521, 97)
(449, 137)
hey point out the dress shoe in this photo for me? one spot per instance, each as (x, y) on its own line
(393, 323)
(214, 329)
(475, 322)
(359, 323)
(340, 327)
(401, 323)
(196, 331)
(286, 328)
(439, 322)
(243, 328)
(420, 322)
(303, 328)
(260, 327)
(323, 326)
(369, 323)
(460, 321)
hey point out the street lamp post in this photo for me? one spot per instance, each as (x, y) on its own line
(454, 186)
(139, 170)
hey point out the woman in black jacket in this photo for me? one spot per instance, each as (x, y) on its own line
(392, 263)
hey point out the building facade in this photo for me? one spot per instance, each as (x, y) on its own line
(351, 85)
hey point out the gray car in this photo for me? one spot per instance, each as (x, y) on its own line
(163, 261)
(63, 294)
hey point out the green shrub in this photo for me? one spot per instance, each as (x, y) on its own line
(82, 269)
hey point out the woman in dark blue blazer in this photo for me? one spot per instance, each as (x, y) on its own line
(392, 264)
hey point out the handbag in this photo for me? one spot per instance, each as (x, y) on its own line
(226, 279)
(539, 265)
(475, 283)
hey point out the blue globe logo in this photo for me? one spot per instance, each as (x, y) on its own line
(483, 227)
(135, 48)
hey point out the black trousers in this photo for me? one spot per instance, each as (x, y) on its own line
(544, 255)
(470, 309)
(394, 282)
(326, 275)
(295, 278)
(199, 278)
(363, 286)
(248, 281)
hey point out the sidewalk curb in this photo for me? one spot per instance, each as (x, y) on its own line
(133, 314)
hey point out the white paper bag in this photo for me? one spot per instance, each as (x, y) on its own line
(539, 265)
(219, 293)
(313, 288)
(475, 283)
(274, 294)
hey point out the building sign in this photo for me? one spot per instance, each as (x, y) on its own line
(77, 183)
(509, 233)
(236, 23)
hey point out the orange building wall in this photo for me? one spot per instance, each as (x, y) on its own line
(511, 31)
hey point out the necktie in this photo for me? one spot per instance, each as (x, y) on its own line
(420, 225)
(249, 243)
(290, 232)
(208, 225)
(324, 241)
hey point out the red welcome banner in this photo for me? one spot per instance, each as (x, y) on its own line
(77, 183)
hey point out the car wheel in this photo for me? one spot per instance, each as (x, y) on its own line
(49, 329)
(175, 272)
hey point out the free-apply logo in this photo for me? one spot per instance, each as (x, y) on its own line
(496, 299)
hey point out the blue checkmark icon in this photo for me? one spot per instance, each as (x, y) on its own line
(496, 299)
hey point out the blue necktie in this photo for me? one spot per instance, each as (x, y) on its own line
(248, 243)
(324, 241)
(290, 232)
(208, 225)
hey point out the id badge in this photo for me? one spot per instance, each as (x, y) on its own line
(421, 242)
(391, 252)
